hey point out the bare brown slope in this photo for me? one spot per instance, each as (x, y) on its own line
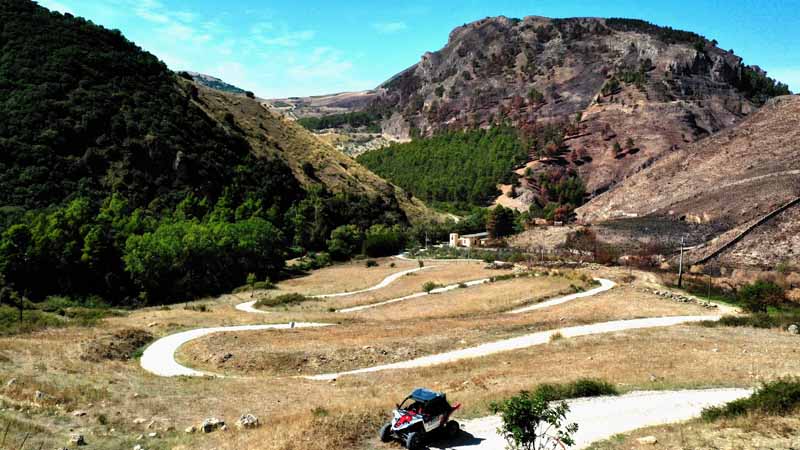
(731, 177)
(311, 160)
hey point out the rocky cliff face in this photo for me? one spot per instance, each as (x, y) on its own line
(606, 81)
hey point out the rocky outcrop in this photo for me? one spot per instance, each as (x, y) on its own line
(658, 87)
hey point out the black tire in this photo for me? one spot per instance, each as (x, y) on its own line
(414, 440)
(386, 433)
(452, 428)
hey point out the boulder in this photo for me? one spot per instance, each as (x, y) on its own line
(211, 424)
(190, 429)
(647, 440)
(138, 447)
(77, 439)
(793, 329)
(248, 421)
(39, 396)
(78, 413)
(11, 382)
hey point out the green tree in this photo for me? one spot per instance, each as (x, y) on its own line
(381, 240)
(500, 222)
(345, 241)
(531, 422)
(760, 295)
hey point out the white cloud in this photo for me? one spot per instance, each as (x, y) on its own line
(286, 38)
(389, 27)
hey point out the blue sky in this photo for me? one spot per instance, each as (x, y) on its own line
(309, 47)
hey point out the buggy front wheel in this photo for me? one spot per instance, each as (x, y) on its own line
(414, 440)
(386, 433)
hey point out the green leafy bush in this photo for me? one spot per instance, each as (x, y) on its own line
(758, 296)
(583, 387)
(776, 398)
(283, 300)
(530, 420)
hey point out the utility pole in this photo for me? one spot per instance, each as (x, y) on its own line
(680, 265)
(426, 240)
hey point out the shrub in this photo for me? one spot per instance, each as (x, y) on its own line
(758, 296)
(196, 308)
(557, 336)
(529, 421)
(757, 320)
(776, 398)
(392, 265)
(284, 299)
(371, 263)
(583, 387)
(429, 286)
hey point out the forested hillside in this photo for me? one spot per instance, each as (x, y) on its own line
(116, 179)
(459, 168)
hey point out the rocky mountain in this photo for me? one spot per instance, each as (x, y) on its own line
(732, 180)
(604, 81)
(215, 83)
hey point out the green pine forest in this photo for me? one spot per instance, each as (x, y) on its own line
(458, 168)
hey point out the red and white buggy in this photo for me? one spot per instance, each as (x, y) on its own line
(420, 415)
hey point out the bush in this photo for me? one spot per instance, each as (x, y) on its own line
(530, 421)
(583, 387)
(758, 296)
(282, 300)
(371, 263)
(757, 320)
(776, 398)
(429, 286)
(31, 321)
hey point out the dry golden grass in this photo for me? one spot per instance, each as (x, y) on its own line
(750, 432)
(346, 277)
(441, 273)
(366, 341)
(673, 357)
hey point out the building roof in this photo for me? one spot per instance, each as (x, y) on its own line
(476, 235)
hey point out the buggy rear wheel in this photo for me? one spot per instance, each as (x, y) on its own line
(386, 433)
(414, 440)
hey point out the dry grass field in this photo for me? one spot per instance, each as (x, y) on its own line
(346, 277)
(751, 432)
(122, 401)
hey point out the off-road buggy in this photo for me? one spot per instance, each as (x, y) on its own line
(420, 415)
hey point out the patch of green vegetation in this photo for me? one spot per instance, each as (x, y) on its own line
(32, 320)
(665, 34)
(776, 398)
(116, 183)
(461, 168)
(583, 387)
(282, 300)
(358, 119)
(774, 319)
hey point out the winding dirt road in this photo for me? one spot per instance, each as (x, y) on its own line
(602, 417)
(598, 418)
